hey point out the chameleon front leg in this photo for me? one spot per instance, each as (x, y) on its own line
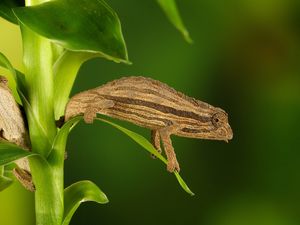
(155, 140)
(165, 134)
(95, 107)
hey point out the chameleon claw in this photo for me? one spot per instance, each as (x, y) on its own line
(88, 119)
(173, 165)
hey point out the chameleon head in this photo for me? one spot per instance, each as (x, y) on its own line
(212, 125)
(221, 129)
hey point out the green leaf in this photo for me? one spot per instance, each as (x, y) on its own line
(5, 63)
(79, 192)
(5, 182)
(6, 9)
(10, 152)
(171, 11)
(60, 141)
(149, 147)
(57, 155)
(38, 135)
(18, 76)
(57, 51)
(65, 71)
(78, 25)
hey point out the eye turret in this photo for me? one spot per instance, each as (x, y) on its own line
(218, 119)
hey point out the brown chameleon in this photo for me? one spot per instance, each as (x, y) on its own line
(12, 129)
(154, 105)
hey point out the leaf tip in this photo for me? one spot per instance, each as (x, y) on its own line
(187, 37)
(183, 184)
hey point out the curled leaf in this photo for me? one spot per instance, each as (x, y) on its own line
(79, 192)
(65, 70)
(57, 154)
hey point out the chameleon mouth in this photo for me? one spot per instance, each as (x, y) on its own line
(226, 133)
(229, 134)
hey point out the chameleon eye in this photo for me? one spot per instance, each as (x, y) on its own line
(217, 119)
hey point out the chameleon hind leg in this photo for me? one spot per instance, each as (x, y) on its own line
(95, 107)
(155, 140)
(25, 178)
(165, 134)
(21, 172)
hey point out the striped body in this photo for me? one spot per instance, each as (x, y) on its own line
(149, 103)
(154, 105)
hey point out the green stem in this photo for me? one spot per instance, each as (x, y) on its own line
(48, 180)
(49, 205)
(39, 81)
(37, 60)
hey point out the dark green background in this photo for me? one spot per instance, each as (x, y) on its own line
(246, 60)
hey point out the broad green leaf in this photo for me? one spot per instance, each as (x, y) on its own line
(57, 154)
(6, 9)
(10, 152)
(78, 25)
(5, 182)
(149, 147)
(171, 11)
(79, 192)
(65, 71)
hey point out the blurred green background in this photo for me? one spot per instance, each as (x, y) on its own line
(246, 60)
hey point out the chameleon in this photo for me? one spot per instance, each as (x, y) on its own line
(154, 105)
(13, 129)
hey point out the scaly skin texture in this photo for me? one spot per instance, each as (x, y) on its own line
(154, 105)
(12, 129)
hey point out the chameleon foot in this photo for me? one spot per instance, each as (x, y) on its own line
(95, 107)
(173, 165)
(89, 115)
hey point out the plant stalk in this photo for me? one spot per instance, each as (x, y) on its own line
(37, 58)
